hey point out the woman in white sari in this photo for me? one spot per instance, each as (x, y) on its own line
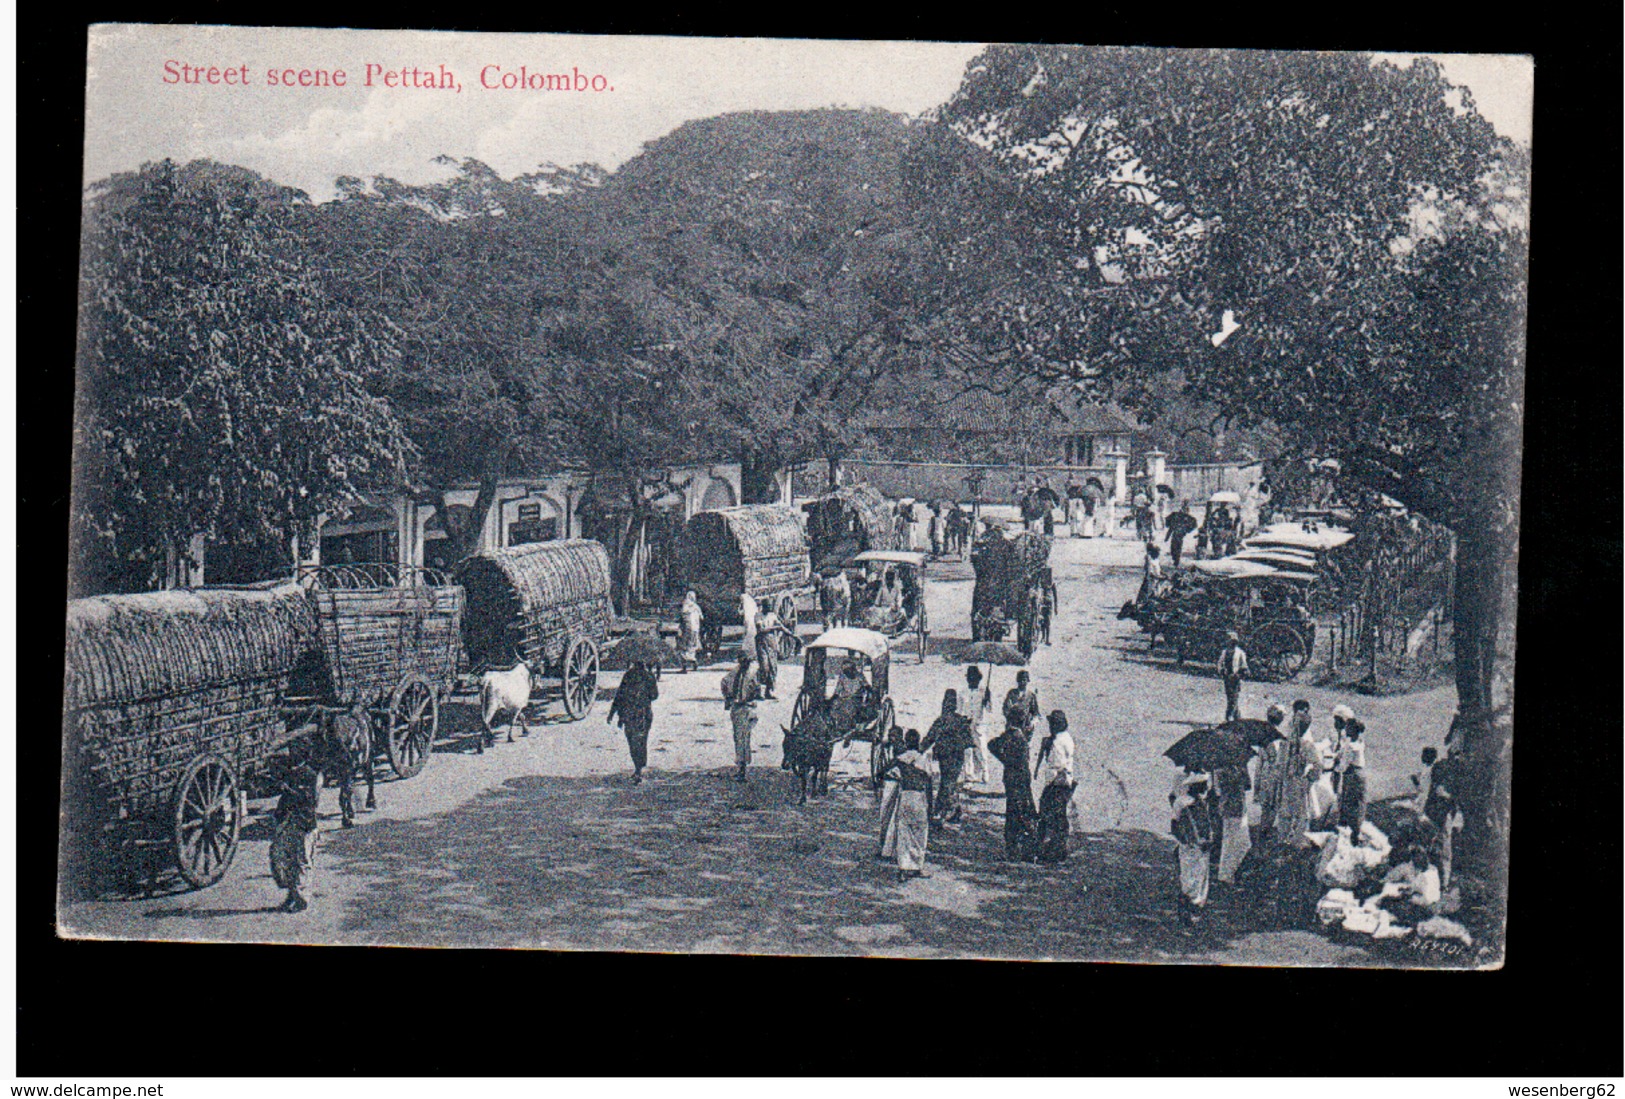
(916, 773)
(692, 617)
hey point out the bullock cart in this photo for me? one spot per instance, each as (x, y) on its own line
(842, 524)
(173, 704)
(1008, 569)
(757, 550)
(547, 605)
(389, 638)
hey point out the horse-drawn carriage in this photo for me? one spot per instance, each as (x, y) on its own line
(906, 612)
(1266, 607)
(1009, 583)
(757, 550)
(546, 605)
(843, 709)
(173, 705)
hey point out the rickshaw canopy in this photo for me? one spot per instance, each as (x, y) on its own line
(1293, 535)
(867, 642)
(893, 557)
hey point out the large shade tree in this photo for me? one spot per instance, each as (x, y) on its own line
(793, 271)
(1323, 241)
(221, 390)
(473, 273)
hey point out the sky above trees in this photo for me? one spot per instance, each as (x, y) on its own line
(307, 137)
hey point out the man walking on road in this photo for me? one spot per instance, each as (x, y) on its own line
(634, 706)
(948, 739)
(1232, 667)
(740, 690)
(1180, 525)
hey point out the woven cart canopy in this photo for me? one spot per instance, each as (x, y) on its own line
(849, 520)
(530, 602)
(757, 548)
(125, 649)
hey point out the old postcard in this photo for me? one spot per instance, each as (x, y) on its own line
(927, 499)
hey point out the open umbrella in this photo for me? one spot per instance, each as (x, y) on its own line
(1252, 730)
(1166, 490)
(992, 652)
(1208, 749)
(641, 648)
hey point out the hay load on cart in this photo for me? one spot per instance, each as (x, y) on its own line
(391, 640)
(851, 520)
(547, 605)
(1008, 569)
(172, 706)
(757, 550)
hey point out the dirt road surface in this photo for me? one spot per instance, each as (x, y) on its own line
(545, 843)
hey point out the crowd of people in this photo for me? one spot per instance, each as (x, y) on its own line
(1300, 793)
(926, 780)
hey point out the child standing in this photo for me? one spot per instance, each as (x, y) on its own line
(293, 846)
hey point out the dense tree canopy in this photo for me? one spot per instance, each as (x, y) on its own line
(221, 391)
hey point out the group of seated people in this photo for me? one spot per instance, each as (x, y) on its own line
(879, 599)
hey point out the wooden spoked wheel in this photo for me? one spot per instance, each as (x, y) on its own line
(787, 617)
(414, 720)
(1282, 652)
(880, 752)
(580, 678)
(924, 631)
(208, 817)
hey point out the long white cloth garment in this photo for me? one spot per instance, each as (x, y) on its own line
(888, 818)
(749, 611)
(913, 829)
(1193, 880)
(1235, 841)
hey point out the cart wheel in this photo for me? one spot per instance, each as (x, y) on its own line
(1282, 652)
(924, 633)
(208, 816)
(880, 752)
(580, 678)
(414, 720)
(798, 712)
(787, 616)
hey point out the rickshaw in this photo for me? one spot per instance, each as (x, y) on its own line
(871, 717)
(910, 615)
(1267, 607)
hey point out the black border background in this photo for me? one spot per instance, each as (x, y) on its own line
(136, 1009)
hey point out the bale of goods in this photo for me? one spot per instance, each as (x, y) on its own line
(757, 549)
(849, 521)
(1005, 568)
(531, 602)
(374, 636)
(154, 681)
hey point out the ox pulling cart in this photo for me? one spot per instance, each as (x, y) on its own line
(546, 605)
(173, 703)
(757, 550)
